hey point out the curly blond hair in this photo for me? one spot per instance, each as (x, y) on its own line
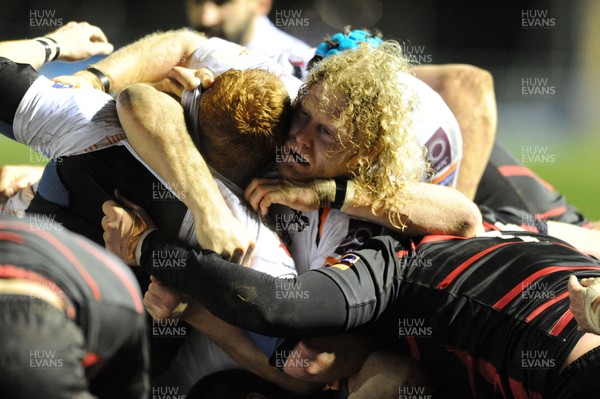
(364, 88)
(243, 116)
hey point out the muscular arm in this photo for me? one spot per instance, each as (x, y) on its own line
(148, 60)
(431, 209)
(469, 93)
(76, 40)
(241, 349)
(248, 299)
(155, 126)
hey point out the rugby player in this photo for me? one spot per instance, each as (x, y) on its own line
(72, 318)
(497, 306)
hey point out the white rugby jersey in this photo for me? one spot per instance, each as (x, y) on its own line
(436, 128)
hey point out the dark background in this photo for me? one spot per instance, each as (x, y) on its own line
(489, 34)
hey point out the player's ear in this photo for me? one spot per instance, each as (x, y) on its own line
(264, 7)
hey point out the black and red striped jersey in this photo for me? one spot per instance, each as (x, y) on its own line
(489, 315)
(102, 294)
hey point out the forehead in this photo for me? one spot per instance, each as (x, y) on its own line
(322, 101)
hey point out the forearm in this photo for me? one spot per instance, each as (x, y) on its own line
(147, 60)
(241, 349)
(29, 52)
(247, 298)
(469, 93)
(428, 209)
(155, 126)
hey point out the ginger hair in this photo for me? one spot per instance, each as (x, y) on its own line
(243, 117)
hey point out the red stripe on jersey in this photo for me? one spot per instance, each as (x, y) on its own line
(436, 238)
(120, 273)
(89, 359)
(490, 374)
(62, 249)
(519, 170)
(16, 272)
(545, 306)
(466, 264)
(517, 290)
(488, 226)
(560, 325)
(552, 213)
(16, 238)
(415, 353)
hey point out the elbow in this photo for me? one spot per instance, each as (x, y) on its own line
(471, 221)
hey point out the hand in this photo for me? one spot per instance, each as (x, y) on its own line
(123, 226)
(180, 78)
(222, 233)
(80, 40)
(164, 302)
(16, 177)
(298, 195)
(584, 303)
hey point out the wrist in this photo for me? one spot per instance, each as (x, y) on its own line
(100, 77)
(93, 79)
(51, 48)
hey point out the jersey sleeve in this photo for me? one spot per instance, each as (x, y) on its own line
(59, 120)
(219, 56)
(437, 129)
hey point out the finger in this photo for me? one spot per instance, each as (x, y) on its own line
(247, 260)
(574, 284)
(266, 202)
(206, 77)
(101, 48)
(126, 202)
(238, 256)
(110, 210)
(170, 86)
(185, 77)
(259, 194)
(96, 34)
(254, 184)
(586, 282)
